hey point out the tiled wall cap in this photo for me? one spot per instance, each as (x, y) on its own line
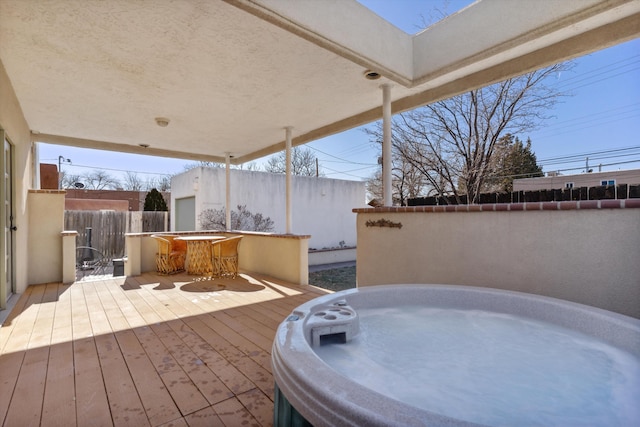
(490, 207)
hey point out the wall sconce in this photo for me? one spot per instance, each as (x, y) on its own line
(196, 183)
(163, 122)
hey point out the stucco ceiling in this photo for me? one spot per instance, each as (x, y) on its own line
(231, 75)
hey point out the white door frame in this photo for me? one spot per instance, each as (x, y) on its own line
(7, 278)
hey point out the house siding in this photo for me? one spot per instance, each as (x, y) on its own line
(593, 179)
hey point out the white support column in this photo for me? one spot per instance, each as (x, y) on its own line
(227, 202)
(386, 145)
(288, 180)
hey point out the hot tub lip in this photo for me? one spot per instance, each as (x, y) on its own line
(318, 404)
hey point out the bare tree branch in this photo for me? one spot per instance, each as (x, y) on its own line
(452, 142)
(303, 162)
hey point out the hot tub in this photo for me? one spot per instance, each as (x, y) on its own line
(414, 355)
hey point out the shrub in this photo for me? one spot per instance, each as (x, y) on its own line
(241, 219)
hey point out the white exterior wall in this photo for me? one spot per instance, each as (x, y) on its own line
(322, 207)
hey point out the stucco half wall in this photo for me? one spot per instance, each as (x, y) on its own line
(45, 242)
(284, 257)
(585, 252)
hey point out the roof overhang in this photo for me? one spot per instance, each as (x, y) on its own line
(230, 76)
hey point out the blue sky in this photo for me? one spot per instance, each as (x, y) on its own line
(599, 121)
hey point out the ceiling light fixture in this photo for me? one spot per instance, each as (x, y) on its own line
(371, 75)
(144, 145)
(163, 122)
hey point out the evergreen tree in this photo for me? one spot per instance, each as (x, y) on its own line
(154, 201)
(513, 160)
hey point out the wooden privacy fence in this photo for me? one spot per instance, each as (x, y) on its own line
(621, 191)
(109, 227)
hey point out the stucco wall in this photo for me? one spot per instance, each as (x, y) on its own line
(17, 132)
(322, 207)
(589, 256)
(45, 236)
(134, 199)
(95, 205)
(283, 257)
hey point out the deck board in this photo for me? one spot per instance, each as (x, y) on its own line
(156, 399)
(10, 322)
(25, 409)
(233, 413)
(92, 406)
(259, 405)
(124, 402)
(59, 406)
(171, 351)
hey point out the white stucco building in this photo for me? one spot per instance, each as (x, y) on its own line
(322, 207)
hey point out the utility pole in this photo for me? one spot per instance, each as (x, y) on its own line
(61, 160)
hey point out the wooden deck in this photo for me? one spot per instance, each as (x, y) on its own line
(144, 351)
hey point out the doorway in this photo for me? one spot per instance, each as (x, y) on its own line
(6, 219)
(185, 214)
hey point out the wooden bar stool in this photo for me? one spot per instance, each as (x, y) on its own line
(171, 254)
(225, 257)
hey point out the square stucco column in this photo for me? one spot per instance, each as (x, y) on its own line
(69, 256)
(281, 256)
(133, 262)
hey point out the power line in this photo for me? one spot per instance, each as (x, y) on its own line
(591, 159)
(340, 159)
(117, 170)
(612, 111)
(594, 73)
(607, 164)
(589, 154)
(349, 162)
(336, 172)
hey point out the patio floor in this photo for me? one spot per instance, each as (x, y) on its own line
(146, 350)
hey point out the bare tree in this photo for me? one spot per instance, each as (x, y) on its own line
(452, 142)
(406, 182)
(203, 164)
(303, 162)
(69, 180)
(162, 183)
(132, 182)
(100, 180)
(241, 219)
(253, 166)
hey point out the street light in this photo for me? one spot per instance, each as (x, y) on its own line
(61, 160)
